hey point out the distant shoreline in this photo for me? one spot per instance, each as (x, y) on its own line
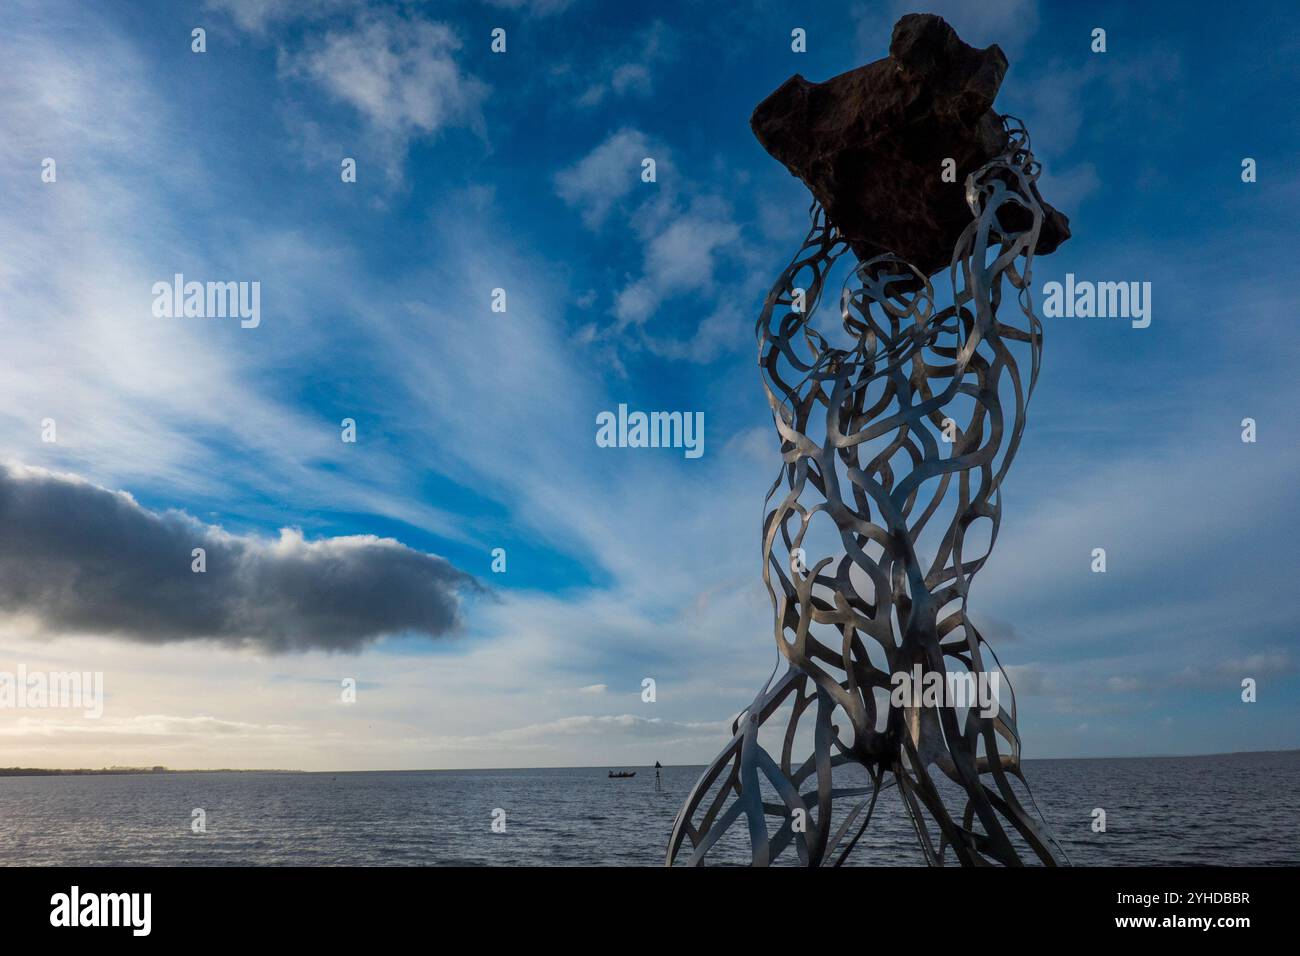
(120, 771)
(149, 771)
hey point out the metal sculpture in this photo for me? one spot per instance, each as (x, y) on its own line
(894, 446)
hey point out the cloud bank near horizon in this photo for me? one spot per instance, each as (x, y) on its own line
(82, 559)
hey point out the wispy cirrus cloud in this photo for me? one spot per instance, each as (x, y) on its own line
(477, 427)
(684, 232)
(401, 75)
(606, 175)
(631, 71)
(681, 254)
(257, 15)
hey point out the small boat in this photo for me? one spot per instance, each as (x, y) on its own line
(621, 774)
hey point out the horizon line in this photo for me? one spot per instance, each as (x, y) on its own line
(143, 769)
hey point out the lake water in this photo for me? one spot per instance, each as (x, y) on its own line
(1232, 809)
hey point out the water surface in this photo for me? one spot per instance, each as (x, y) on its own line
(1234, 809)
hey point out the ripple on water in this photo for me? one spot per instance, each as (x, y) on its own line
(1237, 809)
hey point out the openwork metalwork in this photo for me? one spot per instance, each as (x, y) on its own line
(894, 445)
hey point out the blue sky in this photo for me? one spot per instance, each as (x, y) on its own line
(476, 429)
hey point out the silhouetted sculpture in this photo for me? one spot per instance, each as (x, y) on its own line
(895, 437)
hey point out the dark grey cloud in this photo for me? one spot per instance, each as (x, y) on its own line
(79, 558)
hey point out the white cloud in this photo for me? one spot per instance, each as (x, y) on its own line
(146, 725)
(683, 240)
(680, 257)
(504, 408)
(632, 77)
(630, 72)
(400, 74)
(605, 175)
(256, 16)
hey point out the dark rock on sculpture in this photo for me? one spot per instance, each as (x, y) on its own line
(871, 143)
